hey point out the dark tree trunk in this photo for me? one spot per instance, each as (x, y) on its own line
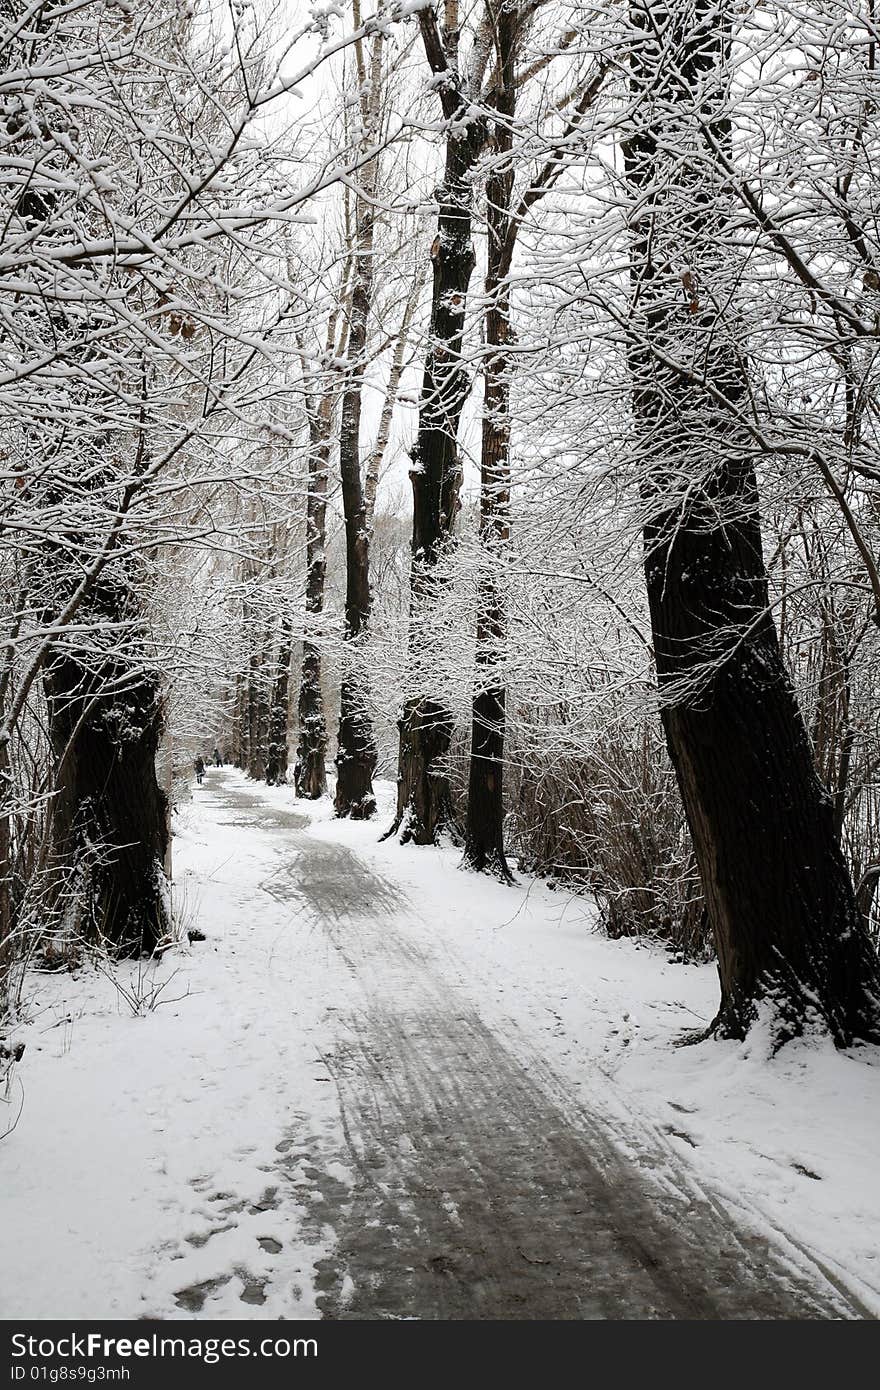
(110, 834)
(310, 775)
(484, 831)
(780, 901)
(356, 752)
(279, 708)
(246, 716)
(424, 802)
(107, 819)
(256, 715)
(424, 807)
(239, 733)
(356, 755)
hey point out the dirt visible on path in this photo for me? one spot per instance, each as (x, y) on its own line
(481, 1190)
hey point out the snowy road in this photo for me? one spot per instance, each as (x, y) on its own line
(382, 1088)
(476, 1194)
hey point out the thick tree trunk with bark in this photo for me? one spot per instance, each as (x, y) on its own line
(484, 831)
(107, 820)
(423, 798)
(109, 831)
(424, 807)
(780, 901)
(356, 754)
(788, 935)
(310, 774)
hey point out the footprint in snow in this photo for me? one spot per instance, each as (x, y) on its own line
(198, 1239)
(680, 1134)
(254, 1290)
(192, 1298)
(806, 1172)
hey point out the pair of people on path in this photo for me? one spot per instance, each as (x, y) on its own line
(216, 758)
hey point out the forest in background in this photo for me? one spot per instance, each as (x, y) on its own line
(481, 395)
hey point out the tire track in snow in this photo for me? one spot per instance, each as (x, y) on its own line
(481, 1193)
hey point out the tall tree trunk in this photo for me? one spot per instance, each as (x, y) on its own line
(109, 812)
(356, 755)
(105, 710)
(424, 806)
(484, 831)
(310, 776)
(279, 707)
(310, 772)
(239, 728)
(781, 905)
(256, 707)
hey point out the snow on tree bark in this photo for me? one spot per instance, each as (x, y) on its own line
(424, 806)
(484, 830)
(109, 814)
(780, 901)
(310, 776)
(356, 745)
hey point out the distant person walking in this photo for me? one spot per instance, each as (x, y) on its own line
(200, 770)
(218, 761)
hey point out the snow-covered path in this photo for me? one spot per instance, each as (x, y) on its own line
(477, 1192)
(346, 1117)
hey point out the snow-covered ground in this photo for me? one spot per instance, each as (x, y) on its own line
(163, 1162)
(790, 1142)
